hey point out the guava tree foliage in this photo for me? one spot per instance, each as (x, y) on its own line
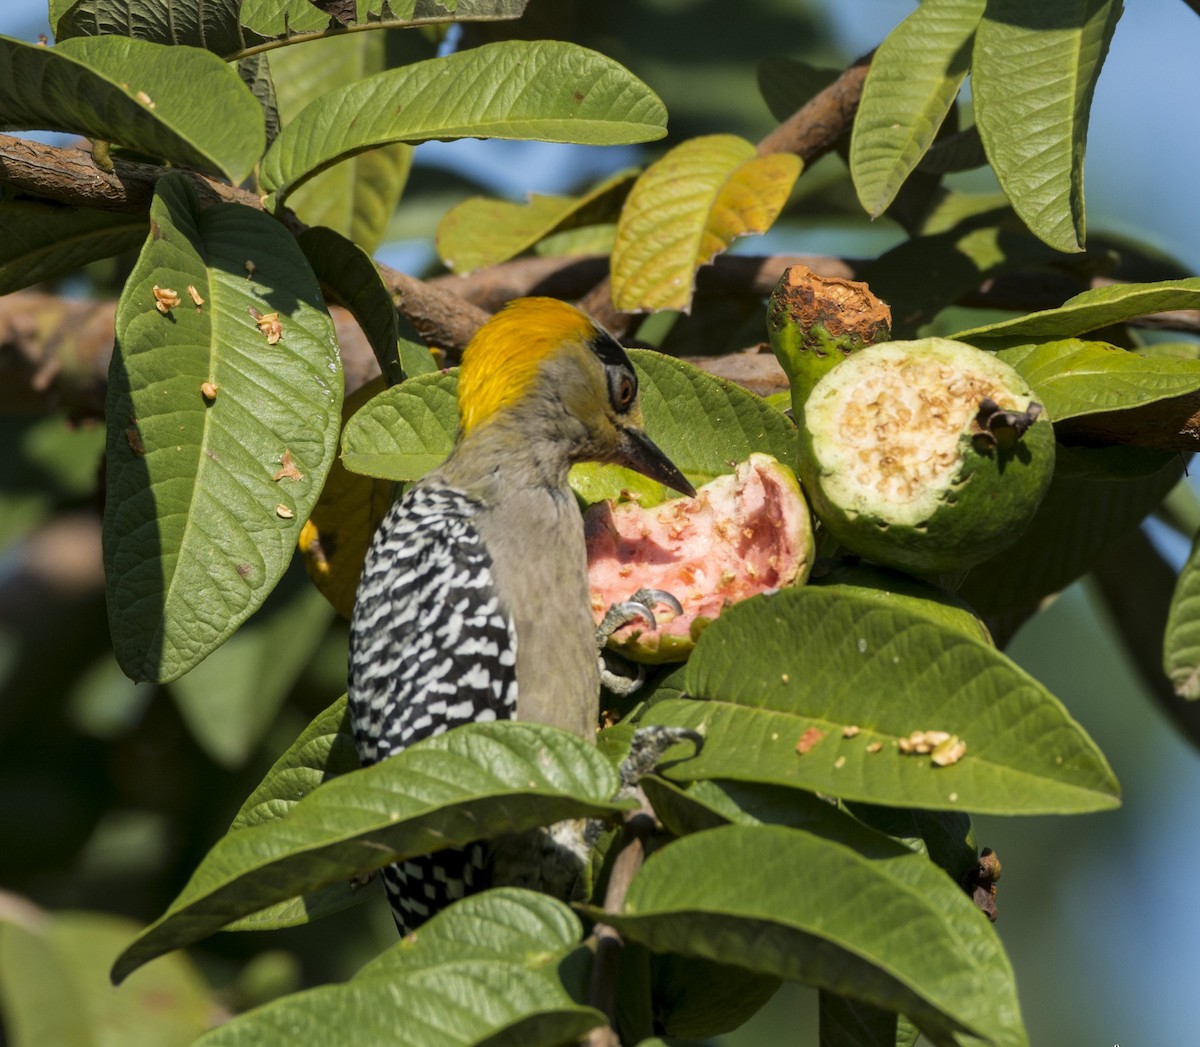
(253, 154)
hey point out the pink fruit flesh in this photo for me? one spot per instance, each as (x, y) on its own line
(742, 534)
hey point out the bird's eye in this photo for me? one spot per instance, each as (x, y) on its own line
(625, 391)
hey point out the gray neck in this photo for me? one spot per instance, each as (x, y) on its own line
(526, 447)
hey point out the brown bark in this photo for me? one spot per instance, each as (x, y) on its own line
(71, 176)
(813, 129)
(751, 275)
(602, 989)
(54, 353)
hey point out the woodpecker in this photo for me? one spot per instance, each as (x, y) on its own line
(473, 603)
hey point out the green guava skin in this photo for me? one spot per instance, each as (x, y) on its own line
(986, 503)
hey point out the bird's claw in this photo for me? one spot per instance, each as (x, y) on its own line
(640, 605)
(620, 614)
(648, 746)
(653, 597)
(620, 685)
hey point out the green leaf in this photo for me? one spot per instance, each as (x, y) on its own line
(405, 431)
(44, 240)
(36, 991)
(945, 837)
(475, 782)
(450, 1005)
(887, 672)
(182, 104)
(960, 151)
(898, 589)
(507, 924)
(212, 25)
(255, 72)
(416, 358)
(481, 231)
(1181, 642)
(342, 524)
(923, 275)
(324, 750)
(280, 18)
(851, 1023)
(709, 804)
(592, 240)
(1096, 497)
(872, 920)
(506, 930)
(696, 999)
(230, 699)
(1033, 72)
(1073, 378)
(1088, 311)
(53, 988)
(704, 424)
(288, 18)
(228, 27)
(542, 90)
(202, 513)
(688, 207)
(349, 277)
(358, 196)
(911, 84)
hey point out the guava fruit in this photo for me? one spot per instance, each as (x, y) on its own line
(814, 322)
(929, 455)
(744, 533)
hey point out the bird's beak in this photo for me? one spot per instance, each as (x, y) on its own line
(638, 452)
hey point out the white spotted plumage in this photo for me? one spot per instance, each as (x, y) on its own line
(431, 647)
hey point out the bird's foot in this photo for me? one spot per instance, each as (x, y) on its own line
(648, 746)
(639, 606)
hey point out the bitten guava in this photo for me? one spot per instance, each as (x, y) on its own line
(744, 533)
(929, 455)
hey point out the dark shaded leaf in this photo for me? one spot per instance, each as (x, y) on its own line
(203, 511)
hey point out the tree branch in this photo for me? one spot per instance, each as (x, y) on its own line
(602, 989)
(813, 129)
(754, 276)
(54, 353)
(71, 176)
(67, 366)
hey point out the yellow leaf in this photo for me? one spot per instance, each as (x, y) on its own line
(334, 540)
(687, 208)
(480, 231)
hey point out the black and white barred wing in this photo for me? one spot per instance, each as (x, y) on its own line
(431, 645)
